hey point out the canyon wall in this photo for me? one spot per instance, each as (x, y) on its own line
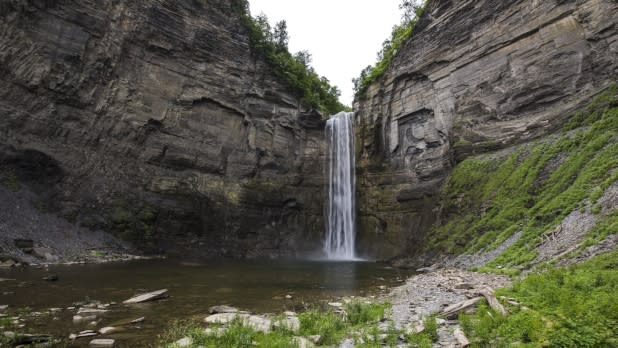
(155, 121)
(476, 76)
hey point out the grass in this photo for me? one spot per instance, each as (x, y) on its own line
(358, 321)
(531, 189)
(569, 307)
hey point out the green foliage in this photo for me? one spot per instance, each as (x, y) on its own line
(571, 307)
(390, 47)
(530, 190)
(363, 313)
(9, 179)
(272, 44)
(330, 326)
(134, 222)
(358, 320)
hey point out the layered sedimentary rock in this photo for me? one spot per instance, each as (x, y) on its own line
(154, 120)
(476, 76)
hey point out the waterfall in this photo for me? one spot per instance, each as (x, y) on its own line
(340, 210)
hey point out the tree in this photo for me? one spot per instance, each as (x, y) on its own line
(280, 36)
(410, 10)
(303, 57)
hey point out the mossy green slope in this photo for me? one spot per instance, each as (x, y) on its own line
(575, 306)
(532, 188)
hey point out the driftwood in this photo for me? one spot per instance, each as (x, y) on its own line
(461, 338)
(451, 311)
(488, 293)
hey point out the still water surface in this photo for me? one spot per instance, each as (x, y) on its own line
(255, 285)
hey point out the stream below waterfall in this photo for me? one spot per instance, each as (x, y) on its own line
(262, 286)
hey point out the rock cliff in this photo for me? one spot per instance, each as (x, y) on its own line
(155, 121)
(476, 76)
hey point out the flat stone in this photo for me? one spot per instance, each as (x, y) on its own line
(51, 278)
(335, 304)
(4, 307)
(184, 342)
(102, 342)
(80, 318)
(108, 330)
(84, 310)
(138, 320)
(149, 296)
(88, 334)
(222, 309)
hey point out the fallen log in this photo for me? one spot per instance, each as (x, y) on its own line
(488, 293)
(150, 296)
(451, 311)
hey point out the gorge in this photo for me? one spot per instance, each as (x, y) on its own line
(165, 127)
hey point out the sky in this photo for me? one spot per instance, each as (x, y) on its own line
(343, 36)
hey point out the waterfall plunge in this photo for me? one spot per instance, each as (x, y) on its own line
(340, 209)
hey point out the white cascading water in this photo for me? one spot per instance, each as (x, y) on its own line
(340, 217)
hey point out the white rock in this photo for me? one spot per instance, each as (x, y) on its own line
(138, 320)
(184, 342)
(289, 314)
(288, 296)
(223, 318)
(258, 323)
(149, 296)
(314, 338)
(79, 318)
(302, 342)
(102, 343)
(335, 304)
(4, 307)
(290, 323)
(107, 330)
(91, 311)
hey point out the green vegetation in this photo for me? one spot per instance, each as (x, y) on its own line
(272, 44)
(569, 307)
(358, 321)
(134, 222)
(8, 179)
(390, 47)
(532, 189)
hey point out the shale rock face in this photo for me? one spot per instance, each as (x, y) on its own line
(476, 76)
(154, 120)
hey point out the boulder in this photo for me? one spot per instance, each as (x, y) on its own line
(184, 342)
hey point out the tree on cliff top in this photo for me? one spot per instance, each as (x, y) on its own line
(295, 70)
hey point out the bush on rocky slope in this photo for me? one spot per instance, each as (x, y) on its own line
(531, 189)
(568, 307)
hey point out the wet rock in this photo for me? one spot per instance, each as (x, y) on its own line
(85, 310)
(222, 309)
(138, 320)
(149, 296)
(45, 253)
(108, 330)
(102, 343)
(184, 342)
(80, 319)
(51, 278)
